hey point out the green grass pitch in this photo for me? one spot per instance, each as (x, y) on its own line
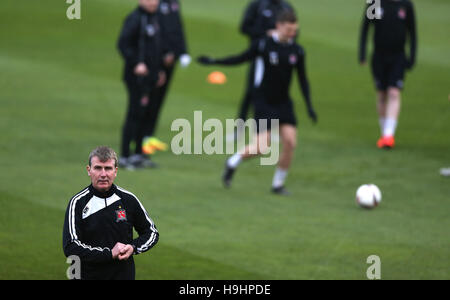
(61, 95)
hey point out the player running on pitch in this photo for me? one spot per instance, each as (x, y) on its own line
(259, 21)
(277, 56)
(394, 21)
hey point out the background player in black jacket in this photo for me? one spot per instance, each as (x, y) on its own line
(277, 57)
(394, 24)
(259, 21)
(170, 19)
(142, 47)
(99, 222)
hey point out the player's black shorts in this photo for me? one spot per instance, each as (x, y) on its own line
(281, 111)
(388, 70)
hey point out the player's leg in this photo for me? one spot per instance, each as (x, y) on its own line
(392, 111)
(161, 96)
(381, 67)
(142, 157)
(393, 105)
(381, 108)
(288, 138)
(151, 143)
(259, 145)
(131, 124)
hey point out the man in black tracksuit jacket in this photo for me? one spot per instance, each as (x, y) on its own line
(175, 42)
(100, 218)
(259, 20)
(142, 46)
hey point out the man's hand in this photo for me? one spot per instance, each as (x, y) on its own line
(161, 79)
(117, 249)
(126, 252)
(205, 60)
(169, 59)
(144, 100)
(141, 69)
(312, 114)
(363, 63)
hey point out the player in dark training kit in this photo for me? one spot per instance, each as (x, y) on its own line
(276, 58)
(258, 22)
(142, 47)
(394, 23)
(169, 17)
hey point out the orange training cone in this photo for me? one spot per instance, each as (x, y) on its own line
(217, 77)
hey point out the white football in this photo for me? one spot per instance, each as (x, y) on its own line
(368, 196)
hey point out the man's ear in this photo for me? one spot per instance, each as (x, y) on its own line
(88, 169)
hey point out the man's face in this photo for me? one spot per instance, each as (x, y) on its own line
(150, 6)
(287, 31)
(102, 173)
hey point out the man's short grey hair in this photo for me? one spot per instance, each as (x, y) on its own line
(287, 16)
(104, 154)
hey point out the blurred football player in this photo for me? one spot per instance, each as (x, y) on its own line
(394, 23)
(277, 56)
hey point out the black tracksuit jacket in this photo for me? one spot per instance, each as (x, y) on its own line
(396, 25)
(141, 40)
(277, 63)
(96, 221)
(169, 15)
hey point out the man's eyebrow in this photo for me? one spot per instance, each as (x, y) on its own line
(101, 167)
